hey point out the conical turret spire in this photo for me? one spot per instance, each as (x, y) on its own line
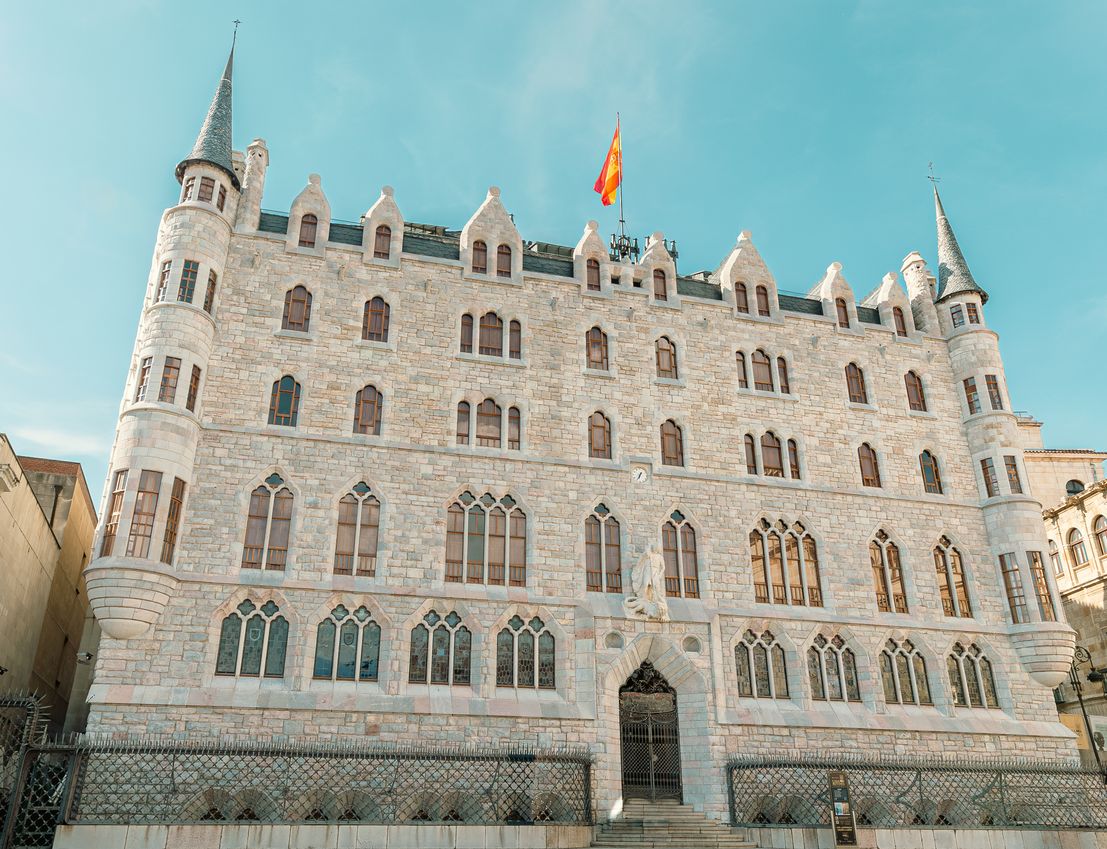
(213, 145)
(954, 277)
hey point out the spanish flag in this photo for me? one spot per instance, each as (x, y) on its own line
(611, 176)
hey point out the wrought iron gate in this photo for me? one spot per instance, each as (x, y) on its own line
(650, 736)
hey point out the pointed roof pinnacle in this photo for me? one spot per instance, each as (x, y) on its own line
(213, 144)
(954, 277)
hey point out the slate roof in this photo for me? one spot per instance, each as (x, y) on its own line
(954, 277)
(213, 145)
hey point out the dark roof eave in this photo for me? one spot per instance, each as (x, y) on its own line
(184, 163)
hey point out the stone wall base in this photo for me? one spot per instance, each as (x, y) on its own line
(930, 838)
(322, 837)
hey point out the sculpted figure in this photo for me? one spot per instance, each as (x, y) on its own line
(646, 599)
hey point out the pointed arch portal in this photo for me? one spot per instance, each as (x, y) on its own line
(650, 736)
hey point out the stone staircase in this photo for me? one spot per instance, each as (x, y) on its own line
(666, 823)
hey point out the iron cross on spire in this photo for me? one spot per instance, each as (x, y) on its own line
(932, 178)
(234, 37)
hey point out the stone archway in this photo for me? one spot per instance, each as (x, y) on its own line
(649, 736)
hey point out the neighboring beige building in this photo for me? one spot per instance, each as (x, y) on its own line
(47, 521)
(1070, 484)
(406, 483)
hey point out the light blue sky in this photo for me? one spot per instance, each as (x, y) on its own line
(809, 123)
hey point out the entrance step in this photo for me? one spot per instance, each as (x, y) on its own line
(666, 824)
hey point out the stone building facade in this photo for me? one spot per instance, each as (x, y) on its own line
(401, 482)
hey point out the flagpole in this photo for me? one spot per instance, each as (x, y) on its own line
(619, 133)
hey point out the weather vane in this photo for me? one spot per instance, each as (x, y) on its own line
(932, 178)
(234, 37)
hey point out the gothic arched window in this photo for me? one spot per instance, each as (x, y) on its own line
(463, 423)
(253, 642)
(284, 402)
(525, 655)
(666, 358)
(672, 444)
(793, 460)
(592, 274)
(297, 309)
(489, 424)
(480, 257)
(1077, 550)
(970, 677)
(268, 525)
(359, 519)
(368, 410)
(760, 665)
(916, 398)
(951, 579)
(466, 334)
(903, 674)
(503, 261)
(842, 311)
(595, 343)
(441, 651)
(309, 225)
(855, 384)
(1099, 528)
(750, 445)
(603, 551)
(772, 456)
(486, 541)
(832, 671)
(678, 545)
(743, 376)
(782, 374)
(786, 559)
(515, 340)
(491, 335)
(887, 574)
(762, 297)
(741, 298)
(382, 242)
(347, 646)
(599, 436)
(870, 467)
(899, 321)
(762, 371)
(932, 478)
(660, 286)
(374, 321)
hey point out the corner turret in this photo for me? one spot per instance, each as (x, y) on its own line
(213, 144)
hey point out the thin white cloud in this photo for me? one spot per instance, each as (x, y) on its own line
(57, 443)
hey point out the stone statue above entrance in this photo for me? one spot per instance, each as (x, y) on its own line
(646, 599)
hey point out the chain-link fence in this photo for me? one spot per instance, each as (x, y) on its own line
(919, 793)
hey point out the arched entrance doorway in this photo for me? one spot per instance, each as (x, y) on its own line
(650, 736)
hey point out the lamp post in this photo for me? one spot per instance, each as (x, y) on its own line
(1082, 655)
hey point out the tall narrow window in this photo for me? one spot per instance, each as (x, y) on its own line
(842, 311)
(1041, 587)
(1099, 529)
(782, 374)
(1055, 559)
(368, 410)
(972, 398)
(762, 297)
(347, 646)
(173, 521)
(193, 390)
(899, 321)
(832, 671)
(762, 371)
(209, 295)
(253, 642)
(991, 483)
(887, 574)
(1077, 550)
(932, 479)
(187, 288)
(359, 519)
(970, 677)
(750, 445)
(515, 340)
(994, 395)
(599, 436)
(268, 525)
(760, 666)
(592, 273)
(221, 203)
(503, 261)
(143, 379)
(973, 313)
(678, 546)
(660, 286)
(480, 257)
(145, 511)
(382, 242)
(793, 460)
(951, 579)
(1012, 583)
(163, 281)
(772, 457)
(672, 444)
(525, 655)
(491, 335)
(297, 310)
(441, 651)
(903, 674)
(916, 398)
(284, 402)
(958, 316)
(186, 192)
(666, 355)
(785, 564)
(170, 373)
(741, 298)
(855, 384)
(486, 541)
(514, 429)
(115, 508)
(1013, 480)
(309, 225)
(603, 552)
(743, 376)
(595, 343)
(207, 189)
(466, 334)
(374, 321)
(463, 423)
(870, 468)
(489, 424)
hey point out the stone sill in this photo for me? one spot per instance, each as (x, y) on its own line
(491, 360)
